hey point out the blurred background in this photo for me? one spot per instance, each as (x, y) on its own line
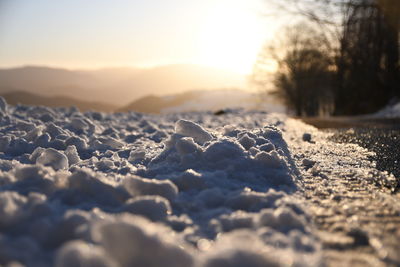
(304, 57)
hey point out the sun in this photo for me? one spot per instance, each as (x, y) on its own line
(231, 37)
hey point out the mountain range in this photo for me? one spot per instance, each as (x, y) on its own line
(25, 98)
(115, 86)
(165, 89)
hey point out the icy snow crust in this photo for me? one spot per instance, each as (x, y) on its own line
(191, 189)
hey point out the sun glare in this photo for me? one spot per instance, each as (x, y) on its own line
(232, 36)
(222, 34)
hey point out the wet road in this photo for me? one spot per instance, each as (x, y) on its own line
(381, 136)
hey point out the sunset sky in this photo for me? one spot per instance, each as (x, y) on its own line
(225, 34)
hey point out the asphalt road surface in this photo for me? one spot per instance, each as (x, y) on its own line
(358, 221)
(381, 136)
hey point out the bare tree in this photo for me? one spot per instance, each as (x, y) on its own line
(368, 62)
(362, 36)
(303, 76)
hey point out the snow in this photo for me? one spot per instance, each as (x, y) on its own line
(51, 157)
(3, 106)
(79, 253)
(129, 189)
(155, 208)
(191, 129)
(137, 186)
(392, 110)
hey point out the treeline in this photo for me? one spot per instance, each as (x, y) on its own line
(343, 61)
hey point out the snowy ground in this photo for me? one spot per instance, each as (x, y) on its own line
(188, 189)
(390, 111)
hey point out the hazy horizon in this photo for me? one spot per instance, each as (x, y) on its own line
(115, 67)
(78, 35)
(117, 86)
(120, 51)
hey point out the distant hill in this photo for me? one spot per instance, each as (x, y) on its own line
(20, 97)
(116, 86)
(46, 81)
(202, 100)
(156, 104)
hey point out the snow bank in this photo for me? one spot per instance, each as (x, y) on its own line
(390, 111)
(128, 189)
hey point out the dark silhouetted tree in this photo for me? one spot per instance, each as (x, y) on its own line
(364, 41)
(303, 77)
(368, 61)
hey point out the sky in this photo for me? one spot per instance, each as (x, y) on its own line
(224, 34)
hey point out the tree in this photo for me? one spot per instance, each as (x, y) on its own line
(303, 76)
(368, 62)
(363, 38)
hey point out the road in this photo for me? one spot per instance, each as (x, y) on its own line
(358, 219)
(381, 136)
